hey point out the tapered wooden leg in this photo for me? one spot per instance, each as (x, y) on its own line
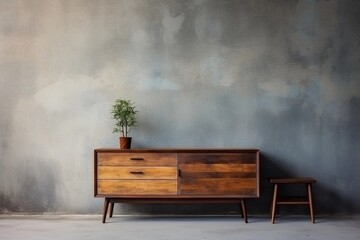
(243, 208)
(106, 204)
(111, 209)
(272, 200)
(273, 207)
(311, 203)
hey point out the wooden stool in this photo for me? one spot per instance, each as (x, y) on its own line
(308, 200)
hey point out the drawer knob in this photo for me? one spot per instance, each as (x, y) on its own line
(136, 172)
(136, 159)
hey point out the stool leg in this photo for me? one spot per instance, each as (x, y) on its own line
(274, 202)
(243, 208)
(311, 202)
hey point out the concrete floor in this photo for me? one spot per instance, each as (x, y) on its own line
(47, 227)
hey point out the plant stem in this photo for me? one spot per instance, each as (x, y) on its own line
(122, 131)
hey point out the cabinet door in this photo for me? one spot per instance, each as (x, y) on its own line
(219, 174)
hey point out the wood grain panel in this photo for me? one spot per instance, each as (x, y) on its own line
(216, 186)
(137, 187)
(137, 159)
(199, 170)
(218, 167)
(213, 158)
(218, 174)
(124, 172)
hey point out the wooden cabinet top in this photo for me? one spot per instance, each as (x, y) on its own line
(180, 150)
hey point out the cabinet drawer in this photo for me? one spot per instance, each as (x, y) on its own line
(137, 187)
(219, 186)
(125, 172)
(137, 159)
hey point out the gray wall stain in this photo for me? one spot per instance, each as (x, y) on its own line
(281, 76)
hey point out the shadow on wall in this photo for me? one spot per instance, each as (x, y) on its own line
(35, 190)
(327, 201)
(331, 202)
(270, 166)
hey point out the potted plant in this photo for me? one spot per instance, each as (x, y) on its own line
(125, 115)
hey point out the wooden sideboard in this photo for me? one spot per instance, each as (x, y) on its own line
(176, 176)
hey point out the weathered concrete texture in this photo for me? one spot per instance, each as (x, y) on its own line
(282, 76)
(90, 227)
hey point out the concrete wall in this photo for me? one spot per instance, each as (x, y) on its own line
(281, 76)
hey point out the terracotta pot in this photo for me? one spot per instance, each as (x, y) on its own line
(125, 142)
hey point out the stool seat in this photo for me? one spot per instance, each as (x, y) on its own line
(303, 180)
(307, 200)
